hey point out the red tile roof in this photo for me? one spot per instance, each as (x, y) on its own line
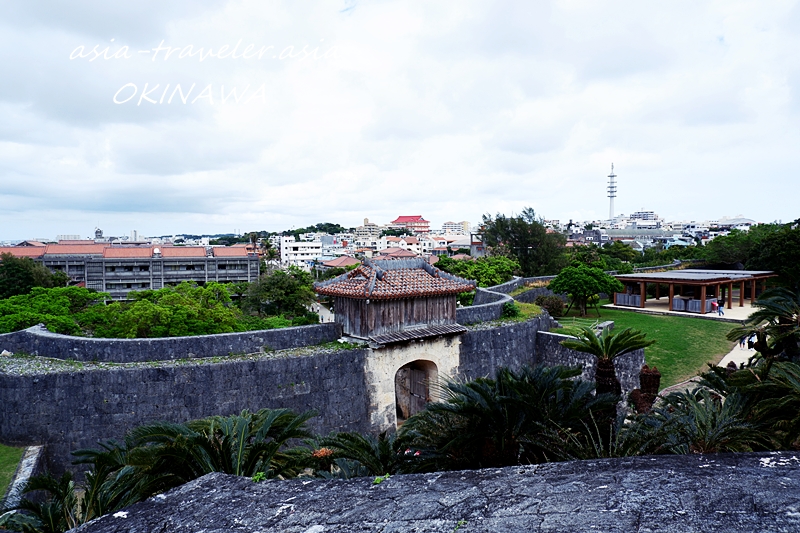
(183, 251)
(128, 251)
(387, 280)
(75, 249)
(394, 253)
(23, 251)
(232, 251)
(406, 219)
(342, 262)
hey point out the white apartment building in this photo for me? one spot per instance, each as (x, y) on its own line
(299, 253)
(456, 228)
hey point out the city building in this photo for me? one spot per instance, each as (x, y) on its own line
(456, 228)
(415, 224)
(119, 270)
(301, 254)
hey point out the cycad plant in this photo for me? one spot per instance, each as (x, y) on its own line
(699, 421)
(606, 347)
(384, 454)
(776, 326)
(516, 417)
(241, 445)
(58, 512)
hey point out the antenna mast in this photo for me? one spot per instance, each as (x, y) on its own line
(612, 192)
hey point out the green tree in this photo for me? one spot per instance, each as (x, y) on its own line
(18, 275)
(281, 292)
(486, 271)
(619, 250)
(582, 282)
(393, 233)
(56, 308)
(779, 251)
(525, 239)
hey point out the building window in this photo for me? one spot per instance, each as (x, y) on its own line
(128, 268)
(111, 269)
(144, 268)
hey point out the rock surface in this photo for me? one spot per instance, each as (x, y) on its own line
(714, 493)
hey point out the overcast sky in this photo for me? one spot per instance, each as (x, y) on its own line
(352, 109)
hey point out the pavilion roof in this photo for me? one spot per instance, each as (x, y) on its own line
(697, 276)
(399, 278)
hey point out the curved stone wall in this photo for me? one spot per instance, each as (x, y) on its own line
(39, 341)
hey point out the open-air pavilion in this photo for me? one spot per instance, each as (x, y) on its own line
(693, 290)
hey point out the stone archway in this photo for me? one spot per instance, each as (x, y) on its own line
(413, 386)
(382, 364)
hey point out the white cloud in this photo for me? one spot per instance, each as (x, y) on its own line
(449, 111)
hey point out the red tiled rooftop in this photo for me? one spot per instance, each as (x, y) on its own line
(23, 251)
(124, 252)
(230, 251)
(75, 249)
(406, 219)
(342, 262)
(183, 251)
(386, 280)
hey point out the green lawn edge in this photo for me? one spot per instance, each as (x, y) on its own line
(9, 459)
(684, 345)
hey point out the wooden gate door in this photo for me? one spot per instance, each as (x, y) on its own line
(419, 391)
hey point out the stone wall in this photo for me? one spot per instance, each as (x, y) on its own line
(486, 349)
(38, 341)
(551, 353)
(530, 296)
(71, 410)
(720, 493)
(487, 306)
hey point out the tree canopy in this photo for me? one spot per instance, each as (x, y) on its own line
(18, 275)
(487, 271)
(525, 239)
(582, 282)
(185, 309)
(281, 292)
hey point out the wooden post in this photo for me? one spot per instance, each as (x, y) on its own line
(702, 299)
(741, 295)
(671, 294)
(730, 295)
(644, 293)
(752, 291)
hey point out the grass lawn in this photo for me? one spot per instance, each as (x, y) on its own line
(9, 458)
(683, 345)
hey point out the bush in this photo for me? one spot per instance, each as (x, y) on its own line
(552, 303)
(510, 310)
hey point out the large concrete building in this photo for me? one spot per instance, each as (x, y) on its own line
(121, 269)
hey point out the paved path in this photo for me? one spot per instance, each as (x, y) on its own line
(737, 355)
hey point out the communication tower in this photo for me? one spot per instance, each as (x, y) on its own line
(612, 192)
